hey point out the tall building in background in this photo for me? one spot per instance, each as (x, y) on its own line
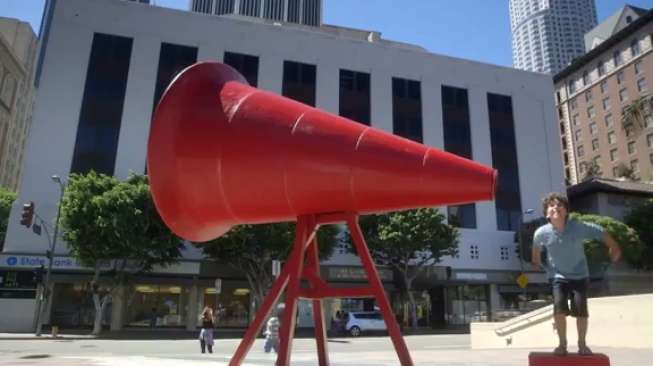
(548, 34)
(307, 12)
(18, 47)
(592, 93)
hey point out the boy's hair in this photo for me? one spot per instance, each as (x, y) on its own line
(554, 196)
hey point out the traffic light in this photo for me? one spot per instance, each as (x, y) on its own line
(27, 215)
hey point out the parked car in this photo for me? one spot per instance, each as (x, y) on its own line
(364, 321)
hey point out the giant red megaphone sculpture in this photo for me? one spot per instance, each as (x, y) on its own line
(222, 153)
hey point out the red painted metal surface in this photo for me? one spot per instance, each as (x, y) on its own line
(222, 153)
(548, 359)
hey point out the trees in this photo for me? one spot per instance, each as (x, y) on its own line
(623, 171)
(592, 170)
(596, 252)
(252, 248)
(641, 219)
(7, 197)
(633, 115)
(409, 242)
(114, 228)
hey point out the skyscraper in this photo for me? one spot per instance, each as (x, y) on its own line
(548, 34)
(307, 12)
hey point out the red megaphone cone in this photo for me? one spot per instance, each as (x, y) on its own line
(222, 153)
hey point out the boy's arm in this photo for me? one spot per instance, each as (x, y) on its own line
(536, 255)
(613, 247)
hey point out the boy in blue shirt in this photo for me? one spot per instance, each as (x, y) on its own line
(567, 265)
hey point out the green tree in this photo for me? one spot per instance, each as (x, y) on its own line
(114, 228)
(624, 171)
(592, 170)
(252, 248)
(633, 115)
(641, 219)
(7, 197)
(597, 253)
(409, 242)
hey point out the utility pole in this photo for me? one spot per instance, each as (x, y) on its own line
(45, 293)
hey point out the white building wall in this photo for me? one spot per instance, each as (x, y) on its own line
(57, 112)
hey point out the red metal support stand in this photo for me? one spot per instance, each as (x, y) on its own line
(303, 263)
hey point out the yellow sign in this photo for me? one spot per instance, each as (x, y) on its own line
(522, 280)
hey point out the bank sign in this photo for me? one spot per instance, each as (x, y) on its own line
(33, 261)
(15, 261)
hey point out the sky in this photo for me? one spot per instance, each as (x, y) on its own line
(471, 29)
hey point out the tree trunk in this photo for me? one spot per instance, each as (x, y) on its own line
(411, 300)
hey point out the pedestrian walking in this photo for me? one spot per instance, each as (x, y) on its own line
(206, 333)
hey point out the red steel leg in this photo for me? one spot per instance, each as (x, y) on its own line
(277, 288)
(313, 264)
(381, 298)
(305, 230)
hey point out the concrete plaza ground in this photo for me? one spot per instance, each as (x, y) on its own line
(425, 350)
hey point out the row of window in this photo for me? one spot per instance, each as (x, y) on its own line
(106, 82)
(616, 61)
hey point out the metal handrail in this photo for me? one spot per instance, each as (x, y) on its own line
(526, 320)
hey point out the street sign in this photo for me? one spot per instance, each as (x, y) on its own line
(522, 280)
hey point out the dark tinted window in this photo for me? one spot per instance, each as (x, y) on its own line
(458, 140)
(293, 11)
(355, 96)
(299, 82)
(172, 60)
(101, 113)
(407, 108)
(504, 158)
(245, 64)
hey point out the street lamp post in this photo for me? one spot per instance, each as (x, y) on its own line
(45, 293)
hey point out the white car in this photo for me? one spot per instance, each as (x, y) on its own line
(364, 321)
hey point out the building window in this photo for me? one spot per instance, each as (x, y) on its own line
(613, 154)
(572, 87)
(564, 143)
(582, 166)
(604, 86)
(505, 254)
(620, 77)
(588, 95)
(504, 157)
(458, 140)
(100, 117)
(593, 128)
(606, 104)
(581, 151)
(634, 47)
(600, 68)
(590, 112)
(595, 144)
(573, 104)
(615, 172)
(247, 65)
(407, 108)
(586, 78)
(251, 8)
(577, 135)
(616, 57)
(299, 82)
(638, 67)
(649, 140)
(634, 165)
(474, 252)
(172, 60)
(623, 95)
(612, 138)
(642, 86)
(574, 120)
(650, 159)
(631, 148)
(562, 128)
(355, 96)
(608, 120)
(648, 121)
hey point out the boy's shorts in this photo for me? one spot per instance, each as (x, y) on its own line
(574, 291)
